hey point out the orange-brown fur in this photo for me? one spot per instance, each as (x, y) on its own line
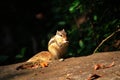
(57, 47)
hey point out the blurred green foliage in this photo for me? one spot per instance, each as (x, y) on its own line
(87, 23)
(21, 54)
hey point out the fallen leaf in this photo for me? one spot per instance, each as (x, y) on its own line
(98, 66)
(93, 77)
(112, 64)
(102, 66)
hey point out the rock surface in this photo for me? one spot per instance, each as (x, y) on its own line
(75, 68)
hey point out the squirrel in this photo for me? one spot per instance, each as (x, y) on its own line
(57, 47)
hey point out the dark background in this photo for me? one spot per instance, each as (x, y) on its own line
(26, 27)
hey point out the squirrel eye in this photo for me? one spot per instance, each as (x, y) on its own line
(61, 35)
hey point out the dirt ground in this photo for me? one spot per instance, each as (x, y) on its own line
(99, 66)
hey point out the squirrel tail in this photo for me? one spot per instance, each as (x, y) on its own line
(32, 65)
(28, 65)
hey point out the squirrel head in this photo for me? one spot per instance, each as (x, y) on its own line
(61, 33)
(61, 36)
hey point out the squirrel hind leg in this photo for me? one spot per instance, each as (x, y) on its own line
(44, 64)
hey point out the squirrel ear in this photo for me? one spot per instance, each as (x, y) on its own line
(57, 31)
(63, 30)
